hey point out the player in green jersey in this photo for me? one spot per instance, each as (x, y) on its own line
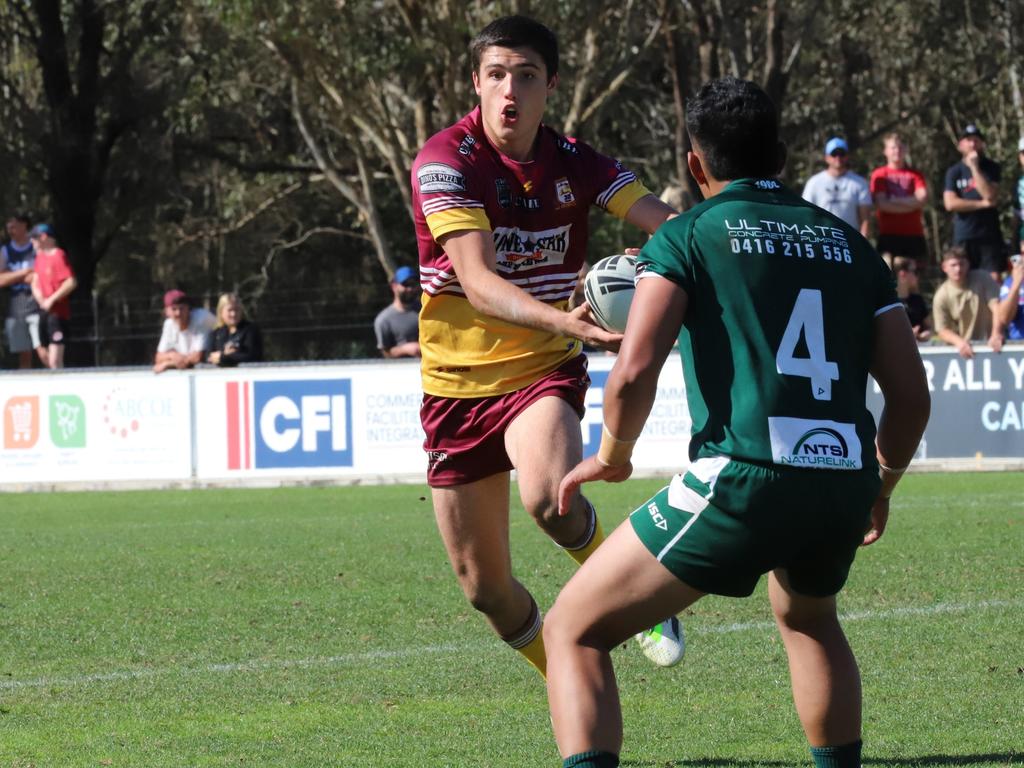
(781, 311)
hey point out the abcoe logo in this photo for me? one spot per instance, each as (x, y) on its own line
(293, 423)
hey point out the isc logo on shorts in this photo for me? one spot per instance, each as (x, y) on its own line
(289, 424)
(656, 516)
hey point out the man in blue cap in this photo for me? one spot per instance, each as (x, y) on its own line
(839, 190)
(397, 325)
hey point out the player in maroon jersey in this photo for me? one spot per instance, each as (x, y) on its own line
(501, 204)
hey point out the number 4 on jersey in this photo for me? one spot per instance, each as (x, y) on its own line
(807, 316)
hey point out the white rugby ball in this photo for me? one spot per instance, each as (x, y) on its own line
(608, 288)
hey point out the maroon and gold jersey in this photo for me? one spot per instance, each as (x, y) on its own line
(537, 212)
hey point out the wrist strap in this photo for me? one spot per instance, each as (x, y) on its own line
(892, 470)
(613, 452)
(890, 477)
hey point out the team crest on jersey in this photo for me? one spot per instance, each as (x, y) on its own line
(438, 177)
(563, 193)
(518, 249)
(466, 145)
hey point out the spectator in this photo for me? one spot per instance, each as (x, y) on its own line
(1012, 311)
(899, 193)
(966, 305)
(235, 340)
(905, 270)
(839, 190)
(397, 325)
(17, 259)
(186, 333)
(971, 193)
(52, 283)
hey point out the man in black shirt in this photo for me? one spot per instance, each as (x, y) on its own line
(972, 195)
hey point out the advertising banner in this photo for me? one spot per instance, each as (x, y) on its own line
(977, 404)
(309, 422)
(360, 421)
(82, 428)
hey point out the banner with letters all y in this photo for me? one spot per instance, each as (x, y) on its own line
(977, 404)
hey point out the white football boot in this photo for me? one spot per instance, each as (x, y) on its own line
(664, 643)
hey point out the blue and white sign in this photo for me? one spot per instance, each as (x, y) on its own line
(303, 423)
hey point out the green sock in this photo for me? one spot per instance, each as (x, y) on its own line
(594, 759)
(846, 756)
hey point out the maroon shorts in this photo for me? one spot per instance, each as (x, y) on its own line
(466, 435)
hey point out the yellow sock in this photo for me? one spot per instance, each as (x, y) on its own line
(534, 653)
(587, 547)
(529, 640)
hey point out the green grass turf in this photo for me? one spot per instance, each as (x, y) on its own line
(322, 627)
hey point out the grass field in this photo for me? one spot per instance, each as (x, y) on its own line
(322, 627)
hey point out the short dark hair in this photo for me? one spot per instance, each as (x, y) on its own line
(736, 125)
(23, 217)
(955, 252)
(517, 32)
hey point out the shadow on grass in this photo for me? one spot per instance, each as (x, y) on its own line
(925, 761)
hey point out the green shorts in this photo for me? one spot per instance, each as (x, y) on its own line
(723, 523)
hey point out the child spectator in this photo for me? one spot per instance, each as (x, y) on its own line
(905, 270)
(186, 333)
(966, 305)
(53, 283)
(235, 340)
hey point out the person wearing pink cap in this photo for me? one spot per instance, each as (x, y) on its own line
(185, 334)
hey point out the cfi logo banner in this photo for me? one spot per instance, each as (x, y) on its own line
(814, 444)
(280, 424)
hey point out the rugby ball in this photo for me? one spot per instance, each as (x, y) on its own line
(608, 288)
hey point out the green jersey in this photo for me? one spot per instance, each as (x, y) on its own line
(778, 333)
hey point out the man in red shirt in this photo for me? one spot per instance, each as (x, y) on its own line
(900, 194)
(53, 283)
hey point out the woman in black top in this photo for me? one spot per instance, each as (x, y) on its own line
(234, 340)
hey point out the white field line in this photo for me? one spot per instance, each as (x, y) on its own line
(355, 659)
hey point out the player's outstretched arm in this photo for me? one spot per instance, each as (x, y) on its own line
(474, 260)
(896, 366)
(655, 317)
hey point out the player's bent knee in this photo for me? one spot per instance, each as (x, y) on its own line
(559, 629)
(543, 508)
(490, 597)
(806, 619)
(564, 625)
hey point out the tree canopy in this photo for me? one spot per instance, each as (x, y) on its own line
(264, 146)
